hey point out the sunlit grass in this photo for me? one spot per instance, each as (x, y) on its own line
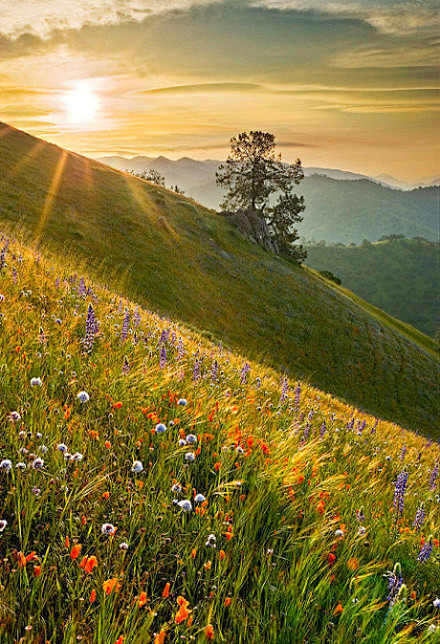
(298, 525)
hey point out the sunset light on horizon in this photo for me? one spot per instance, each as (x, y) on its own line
(349, 85)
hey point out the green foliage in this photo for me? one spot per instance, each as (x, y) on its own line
(179, 259)
(398, 275)
(329, 275)
(252, 175)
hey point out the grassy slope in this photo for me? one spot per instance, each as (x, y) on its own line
(182, 260)
(302, 511)
(400, 277)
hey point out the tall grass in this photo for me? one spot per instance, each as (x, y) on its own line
(297, 527)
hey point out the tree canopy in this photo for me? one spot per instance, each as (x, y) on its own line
(257, 180)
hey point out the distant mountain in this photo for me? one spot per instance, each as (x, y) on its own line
(340, 206)
(400, 276)
(388, 180)
(186, 262)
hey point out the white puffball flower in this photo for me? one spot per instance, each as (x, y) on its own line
(185, 505)
(182, 402)
(6, 465)
(191, 439)
(161, 428)
(38, 463)
(137, 467)
(190, 456)
(36, 382)
(83, 397)
(199, 498)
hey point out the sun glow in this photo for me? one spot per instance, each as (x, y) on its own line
(81, 104)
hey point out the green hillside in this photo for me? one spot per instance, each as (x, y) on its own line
(400, 276)
(157, 489)
(185, 262)
(351, 211)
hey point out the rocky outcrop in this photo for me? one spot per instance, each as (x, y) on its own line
(252, 226)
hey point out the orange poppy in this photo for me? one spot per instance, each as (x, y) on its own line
(74, 553)
(111, 584)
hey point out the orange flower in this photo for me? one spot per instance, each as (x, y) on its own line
(228, 601)
(120, 640)
(217, 466)
(37, 571)
(67, 414)
(221, 555)
(88, 563)
(160, 637)
(67, 542)
(92, 596)
(23, 560)
(338, 610)
(166, 590)
(107, 444)
(228, 536)
(331, 558)
(183, 612)
(193, 553)
(208, 565)
(105, 495)
(111, 584)
(142, 599)
(209, 632)
(74, 553)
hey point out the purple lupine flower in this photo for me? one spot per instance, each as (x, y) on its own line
(361, 426)
(258, 382)
(297, 395)
(244, 372)
(163, 357)
(57, 282)
(399, 491)
(14, 275)
(350, 423)
(3, 258)
(173, 337)
(180, 351)
(433, 478)
(284, 392)
(163, 337)
(136, 317)
(323, 429)
(402, 454)
(360, 515)
(214, 371)
(196, 371)
(82, 288)
(425, 551)
(125, 325)
(419, 519)
(90, 330)
(126, 366)
(395, 581)
(42, 337)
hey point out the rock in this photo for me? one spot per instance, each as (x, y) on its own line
(253, 227)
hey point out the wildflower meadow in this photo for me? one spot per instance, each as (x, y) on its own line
(155, 487)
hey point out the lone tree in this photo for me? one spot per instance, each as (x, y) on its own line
(258, 181)
(154, 177)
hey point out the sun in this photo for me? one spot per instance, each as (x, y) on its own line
(81, 104)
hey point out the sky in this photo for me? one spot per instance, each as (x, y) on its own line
(350, 84)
